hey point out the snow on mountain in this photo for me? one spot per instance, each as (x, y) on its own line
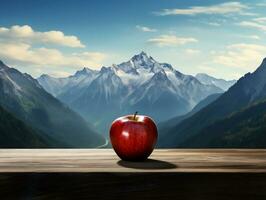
(56, 86)
(209, 80)
(247, 93)
(141, 84)
(140, 61)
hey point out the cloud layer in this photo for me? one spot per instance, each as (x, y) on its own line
(171, 40)
(243, 56)
(145, 29)
(36, 52)
(24, 53)
(224, 8)
(253, 24)
(27, 34)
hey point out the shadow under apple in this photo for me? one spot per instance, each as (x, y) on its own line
(147, 164)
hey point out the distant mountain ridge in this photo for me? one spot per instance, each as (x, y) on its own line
(248, 89)
(140, 84)
(165, 126)
(25, 98)
(209, 80)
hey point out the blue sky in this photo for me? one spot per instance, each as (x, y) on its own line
(222, 38)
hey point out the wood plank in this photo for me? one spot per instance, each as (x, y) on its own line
(203, 174)
(105, 160)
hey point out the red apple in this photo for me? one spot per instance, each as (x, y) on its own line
(133, 137)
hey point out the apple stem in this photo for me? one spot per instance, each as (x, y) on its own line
(135, 115)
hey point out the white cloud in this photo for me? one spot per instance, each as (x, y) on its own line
(145, 28)
(171, 40)
(254, 37)
(243, 56)
(260, 19)
(253, 25)
(26, 49)
(24, 54)
(192, 52)
(214, 24)
(27, 34)
(223, 8)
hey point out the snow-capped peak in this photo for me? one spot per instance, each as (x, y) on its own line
(142, 60)
(161, 67)
(160, 76)
(141, 56)
(143, 64)
(141, 83)
(84, 71)
(107, 70)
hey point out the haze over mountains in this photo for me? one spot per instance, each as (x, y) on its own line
(165, 126)
(140, 84)
(194, 111)
(209, 80)
(235, 119)
(25, 99)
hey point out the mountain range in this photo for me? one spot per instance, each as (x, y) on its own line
(140, 84)
(24, 98)
(209, 80)
(166, 125)
(233, 117)
(194, 112)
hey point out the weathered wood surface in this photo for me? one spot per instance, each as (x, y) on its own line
(105, 160)
(99, 174)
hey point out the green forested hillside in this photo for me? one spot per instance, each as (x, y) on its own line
(249, 89)
(246, 128)
(15, 134)
(24, 97)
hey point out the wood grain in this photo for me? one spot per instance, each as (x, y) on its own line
(204, 174)
(105, 160)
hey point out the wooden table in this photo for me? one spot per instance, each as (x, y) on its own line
(100, 174)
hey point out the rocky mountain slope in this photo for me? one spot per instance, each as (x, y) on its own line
(140, 84)
(25, 98)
